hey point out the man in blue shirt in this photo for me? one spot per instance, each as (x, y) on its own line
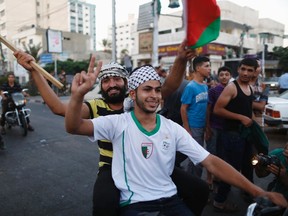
(194, 104)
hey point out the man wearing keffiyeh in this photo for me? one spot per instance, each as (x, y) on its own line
(144, 149)
(114, 86)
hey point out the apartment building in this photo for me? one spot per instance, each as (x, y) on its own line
(18, 17)
(242, 32)
(125, 32)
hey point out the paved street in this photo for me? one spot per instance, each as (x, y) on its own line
(51, 173)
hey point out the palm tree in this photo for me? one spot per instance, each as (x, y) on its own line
(107, 45)
(32, 50)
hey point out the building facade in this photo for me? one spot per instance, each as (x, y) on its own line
(16, 17)
(242, 33)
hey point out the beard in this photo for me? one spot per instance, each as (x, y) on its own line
(141, 105)
(114, 98)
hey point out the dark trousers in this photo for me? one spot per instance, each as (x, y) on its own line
(105, 195)
(171, 206)
(238, 153)
(191, 189)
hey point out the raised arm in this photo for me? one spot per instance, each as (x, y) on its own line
(228, 174)
(74, 123)
(177, 73)
(47, 93)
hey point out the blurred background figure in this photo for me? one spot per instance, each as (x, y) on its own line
(283, 82)
(127, 62)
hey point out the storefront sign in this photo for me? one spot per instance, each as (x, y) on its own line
(170, 50)
(145, 42)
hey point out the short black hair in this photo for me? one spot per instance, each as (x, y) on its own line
(198, 60)
(10, 73)
(249, 62)
(224, 68)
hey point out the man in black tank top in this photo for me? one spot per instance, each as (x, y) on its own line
(235, 105)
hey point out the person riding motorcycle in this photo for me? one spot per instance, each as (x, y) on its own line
(11, 87)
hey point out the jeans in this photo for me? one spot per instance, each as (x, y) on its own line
(188, 166)
(238, 153)
(213, 145)
(171, 206)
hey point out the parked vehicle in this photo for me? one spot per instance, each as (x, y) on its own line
(276, 111)
(272, 83)
(17, 114)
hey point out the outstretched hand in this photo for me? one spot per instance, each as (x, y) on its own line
(83, 82)
(277, 198)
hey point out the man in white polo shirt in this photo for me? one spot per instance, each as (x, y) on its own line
(144, 148)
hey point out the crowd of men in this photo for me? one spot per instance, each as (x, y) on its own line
(157, 161)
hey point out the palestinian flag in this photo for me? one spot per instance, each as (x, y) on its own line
(202, 18)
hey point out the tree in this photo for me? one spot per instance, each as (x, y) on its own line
(70, 66)
(33, 50)
(282, 55)
(107, 45)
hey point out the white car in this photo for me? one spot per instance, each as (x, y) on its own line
(276, 111)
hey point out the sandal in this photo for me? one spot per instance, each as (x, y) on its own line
(226, 208)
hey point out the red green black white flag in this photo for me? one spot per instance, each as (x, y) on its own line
(202, 19)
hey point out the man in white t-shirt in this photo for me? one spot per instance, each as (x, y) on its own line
(145, 146)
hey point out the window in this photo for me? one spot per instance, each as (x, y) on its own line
(165, 32)
(30, 41)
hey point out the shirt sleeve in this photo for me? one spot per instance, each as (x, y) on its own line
(108, 127)
(103, 128)
(187, 95)
(188, 146)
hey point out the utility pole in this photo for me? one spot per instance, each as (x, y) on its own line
(263, 58)
(114, 59)
(155, 34)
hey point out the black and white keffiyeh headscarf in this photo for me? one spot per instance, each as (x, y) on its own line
(141, 75)
(112, 69)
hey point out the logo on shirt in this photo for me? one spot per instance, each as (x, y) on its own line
(147, 149)
(202, 97)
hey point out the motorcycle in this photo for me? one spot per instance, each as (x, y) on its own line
(264, 207)
(17, 114)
